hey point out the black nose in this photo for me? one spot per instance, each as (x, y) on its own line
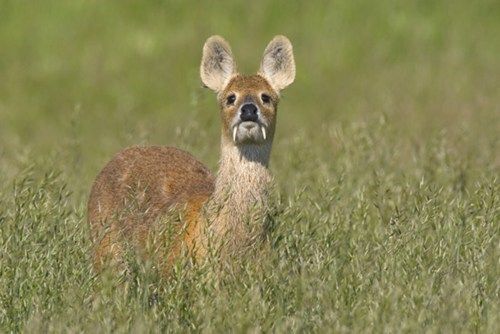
(249, 113)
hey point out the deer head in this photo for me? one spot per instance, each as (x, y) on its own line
(248, 103)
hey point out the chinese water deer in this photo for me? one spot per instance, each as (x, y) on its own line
(141, 186)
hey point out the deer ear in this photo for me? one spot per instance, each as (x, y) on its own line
(278, 65)
(217, 64)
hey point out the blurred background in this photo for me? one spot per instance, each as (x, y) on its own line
(386, 159)
(80, 80)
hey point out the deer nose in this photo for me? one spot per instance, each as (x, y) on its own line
(249, 113)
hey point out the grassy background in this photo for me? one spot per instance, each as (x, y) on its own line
(386, 159)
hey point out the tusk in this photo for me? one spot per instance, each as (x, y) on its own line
(234, 133)
(263, 129)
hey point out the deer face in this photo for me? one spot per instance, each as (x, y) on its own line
(248, 109)
(248, 103)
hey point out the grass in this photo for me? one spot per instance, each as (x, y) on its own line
(386, 161)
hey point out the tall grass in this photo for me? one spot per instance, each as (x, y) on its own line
(386, 162)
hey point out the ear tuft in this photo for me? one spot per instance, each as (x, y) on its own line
(278, 64)
(217, 63)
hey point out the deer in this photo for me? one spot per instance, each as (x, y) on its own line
(228, 207)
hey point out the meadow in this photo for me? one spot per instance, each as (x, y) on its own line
(386, 161)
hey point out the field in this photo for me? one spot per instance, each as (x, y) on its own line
(386, 160)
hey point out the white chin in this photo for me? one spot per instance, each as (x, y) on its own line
(249, 133)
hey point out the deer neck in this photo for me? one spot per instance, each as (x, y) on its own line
(241, 191)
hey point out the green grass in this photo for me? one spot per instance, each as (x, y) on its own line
(386, 160)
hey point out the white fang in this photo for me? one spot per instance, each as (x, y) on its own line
(263, 129)
(234, 133)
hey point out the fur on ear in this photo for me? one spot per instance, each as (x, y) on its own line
(278, 64)
(217, 63)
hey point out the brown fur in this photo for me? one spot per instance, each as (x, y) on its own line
(137, 187)
(142, 188)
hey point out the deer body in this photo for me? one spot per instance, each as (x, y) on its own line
(142, 185)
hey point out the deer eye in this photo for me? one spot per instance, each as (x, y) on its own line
(230, 99)
(265, 98)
